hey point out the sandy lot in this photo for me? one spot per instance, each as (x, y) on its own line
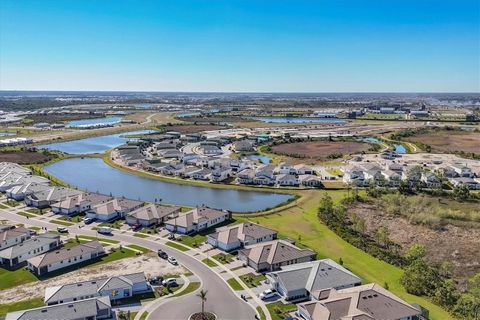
(320, 149)
(148, 263)
(450, 141)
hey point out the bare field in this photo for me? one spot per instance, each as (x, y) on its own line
(193, 128)
(449, 141)
(24, 157)
(320, 149)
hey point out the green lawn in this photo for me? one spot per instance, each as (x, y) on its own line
(234, 284)
(252, 280)
(117, 224)
(21, 305)
(61, 222)
(111, 241)
(193, 241)
(140, 235)
(74, 219)
(12, 203)
(151, 231)
(26, 214)
(223, 258)
(139, 248)
(176, 246)
(260, 312)
(192, 286)
(9, 279)
(302, 224)
(144, 315)
(279, 310)
(35, 211)
(2, 206)
(209, 262)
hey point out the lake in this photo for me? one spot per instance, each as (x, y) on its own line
(400, 148)
(263, 159)
(93, 174)
(92, 145)
(297, 120)
(369, 139)
(106, 120)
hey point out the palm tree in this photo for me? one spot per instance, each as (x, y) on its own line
(203, 296)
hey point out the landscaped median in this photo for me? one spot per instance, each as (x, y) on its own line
(176, 246)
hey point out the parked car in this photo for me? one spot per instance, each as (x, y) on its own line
(62, 229)
(267, 294)
(172, 260)
(136, 227)
(104, 230)
(162, 254)
(156, 280)
(170, 282)
(88, 220)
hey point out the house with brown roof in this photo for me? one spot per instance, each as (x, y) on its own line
(271, 256)
(237, 236)
(367, 302)
(151, 214)
(79, 203)
(197, 219)
(113, 209)
(66, 257)
(13, 236)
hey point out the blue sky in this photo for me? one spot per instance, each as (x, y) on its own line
(248, 46)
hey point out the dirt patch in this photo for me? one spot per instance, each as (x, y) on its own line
(25, 157)
(320, 149)
(449, 141)
(459, 245)
(148, 263)
(55, 118)
(193, 128)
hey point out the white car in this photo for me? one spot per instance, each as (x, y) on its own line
(172, 260)
(267, 294)
(170, 282)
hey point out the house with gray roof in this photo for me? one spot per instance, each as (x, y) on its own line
(19, 192)
(151, 214)
(113, 209)
(66, 257)
(45, 198)
(13, 179)
(94, 308)
(14, 167)
(299, 281)
(237, 236)
(197, 219)
(79, 203)
(117, 287)
(272, 255)
(12, 236)
(366, 302)
(19, 253)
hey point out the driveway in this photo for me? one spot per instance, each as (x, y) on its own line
(221, 299)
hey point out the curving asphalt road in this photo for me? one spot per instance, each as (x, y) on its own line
(220, 298)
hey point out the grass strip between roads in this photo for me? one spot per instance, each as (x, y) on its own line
(176, 246)
(234, 284)
(192, 286)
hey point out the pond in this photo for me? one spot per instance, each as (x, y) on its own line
(95, 175)
(95, 121)
(6, 133)
(298, 120)
(400, 148)
(369, 139)
(263, 159)
(92, 145)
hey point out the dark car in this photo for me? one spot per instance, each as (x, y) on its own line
(156, 280)
(62, 229)
(136, 227)
(88, 220)
(171, 236)
(162, 254)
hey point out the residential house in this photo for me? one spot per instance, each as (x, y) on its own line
(355, 176)
(170, 153)
(187, 171)
(6, 167)
(469, 183)
(393, 178)
(244, 146)
(369, 301)
(197, 219)
(203, 174)
(264, 175)
(13, 179)
(19, 192)
(66, 257)
(430, 180)
(309, 180)
(45, 198)
(237, 236)
(93, 308)
(79, 203)
(302, 169)
(155, 166)
(284, 168)
(462, 170)
(151, 215)
(15, 255)
(11, 236)
(246, 176)
(271, 256)
(285, 180)
(210, 150)
(220, 174)
(299, 281)
(115, 288)
(113, 209)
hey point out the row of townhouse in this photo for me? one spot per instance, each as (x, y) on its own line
(89, 299)
(296, 275)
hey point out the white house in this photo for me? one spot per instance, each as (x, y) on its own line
(10, 236)
(78, 203)
(220, 174)
(197, 219)
(285, 180)
(113, 209)
(32, 247)
(237, 236)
